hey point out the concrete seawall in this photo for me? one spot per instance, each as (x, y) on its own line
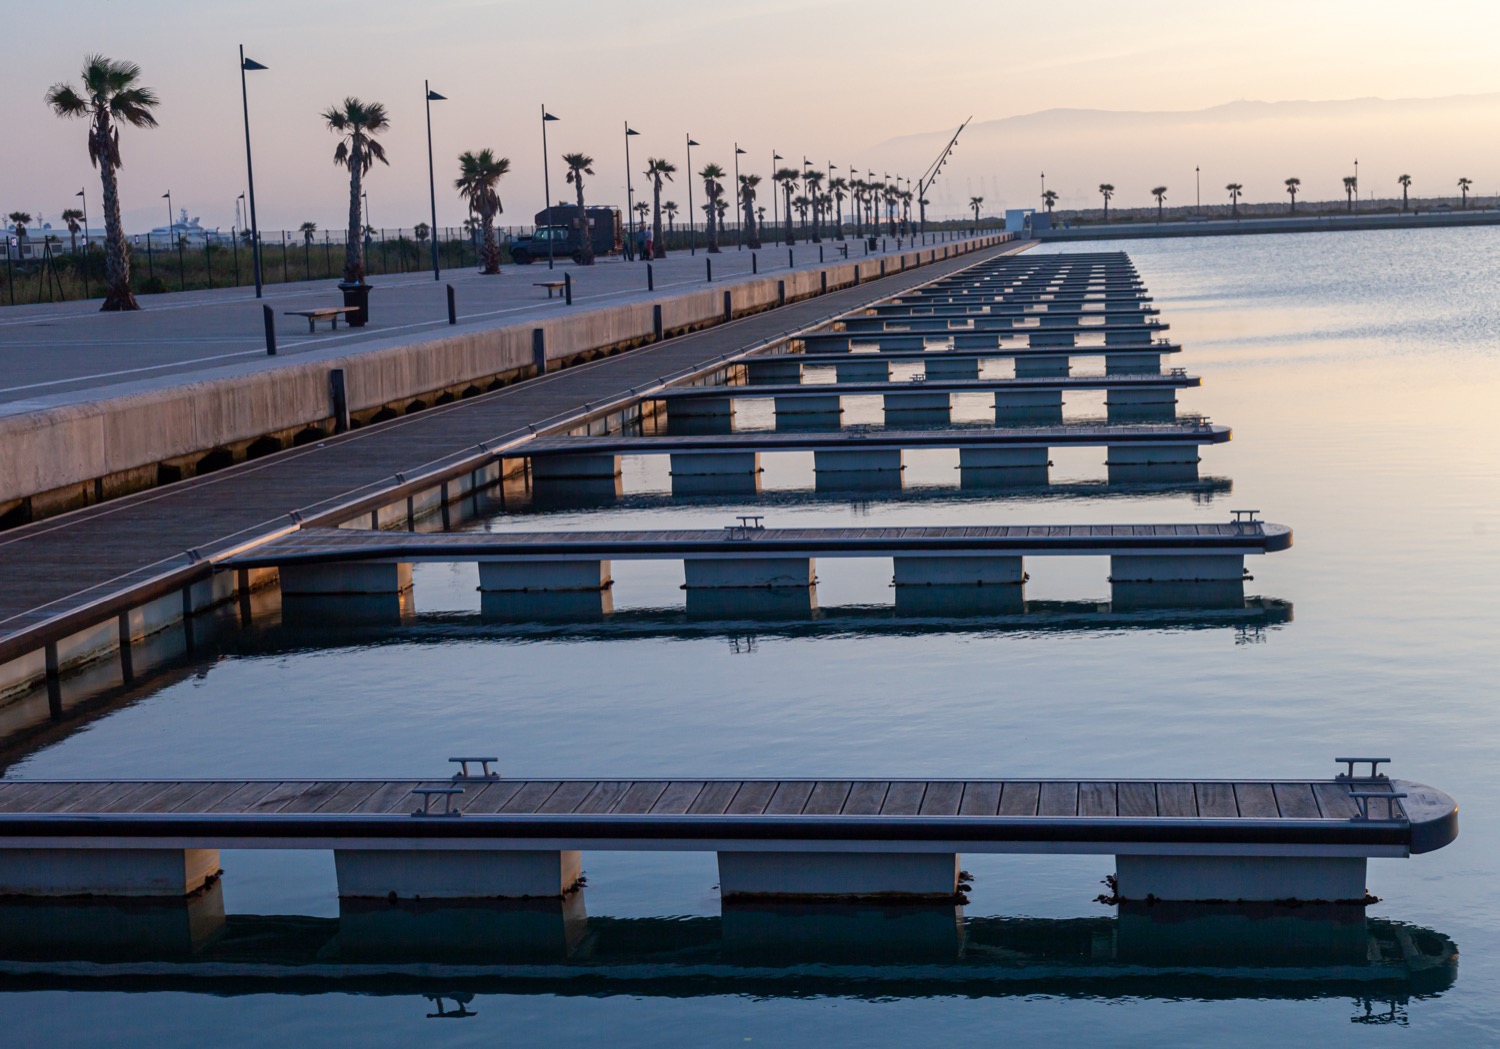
(1240, 227)
(72, 450)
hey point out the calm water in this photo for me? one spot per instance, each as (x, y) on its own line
(1360, 374)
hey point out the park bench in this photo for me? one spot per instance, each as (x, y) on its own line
(551, 286)
(329, 313)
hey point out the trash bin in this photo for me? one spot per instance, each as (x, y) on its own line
(874, 244)
(358, 296)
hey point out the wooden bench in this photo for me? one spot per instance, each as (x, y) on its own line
(330, 313)
(551, 286)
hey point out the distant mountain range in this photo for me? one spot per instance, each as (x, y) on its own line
(1258, 144)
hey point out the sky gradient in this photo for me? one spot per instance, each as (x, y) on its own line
(855, 81)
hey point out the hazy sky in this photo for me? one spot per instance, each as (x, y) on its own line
(832, 79)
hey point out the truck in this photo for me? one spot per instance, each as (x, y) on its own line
(559, 227)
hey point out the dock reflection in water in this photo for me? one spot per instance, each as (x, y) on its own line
(815, 950)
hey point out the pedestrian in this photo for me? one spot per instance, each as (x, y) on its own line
(649, 252)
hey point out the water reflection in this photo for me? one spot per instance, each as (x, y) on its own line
(454, 951)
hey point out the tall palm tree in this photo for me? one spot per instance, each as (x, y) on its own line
(1235, 189)
(478, 182)
(642, 210)
(657, 169)
(74, 218)
(1463, 187)
(747, 197)
(670, 210)
(1160, 193)
(839, 188)
(858, 187)
(1349, 183)
(801, 203)
(1405, 181)
(111, 93)
(1106, 191)
(976, 203)
(21, 219)
(1049, 198)
(356, 123)
(813, 180)
(579, 165)
(713, 188)
(308, 230)
(892, 196)
(788, 177)
(1292, 185)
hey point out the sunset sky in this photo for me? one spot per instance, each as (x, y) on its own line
(829, 79)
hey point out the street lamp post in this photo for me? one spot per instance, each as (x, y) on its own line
(432, 96)
(547, 186)
(629, 186)
(249, 65)
(1198, 191)
(775, 156)
(739, 203)
(85, 198)
(1356, 183)
(692, 229)
(171, 232)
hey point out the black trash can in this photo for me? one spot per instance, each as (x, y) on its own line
(358, 296)
(874, 243)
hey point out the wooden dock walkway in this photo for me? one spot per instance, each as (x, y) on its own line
(77, 571)
(1162, 380)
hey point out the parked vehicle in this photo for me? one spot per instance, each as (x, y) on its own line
(559, 227)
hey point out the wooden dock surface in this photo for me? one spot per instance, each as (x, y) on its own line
(919, 386)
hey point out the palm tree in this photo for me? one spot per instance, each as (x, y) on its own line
(788, 178)
(1349, 184)
(642, 209)
(1463, 187)
(579, 165)
(478, 182)
(420, 231)
(1049, 198)
(721, 212)
(713, 188)
(1292, 185)
(307, 229)
(839, 188)
(1106, 191)
(656, 170)
(1235, 189)
(976, 203)
(111, 93)
(1160, 193)
(20, 218)
(857, 190)
(1405, 181)
(73, 217)
(813, 180)
(356, 123)
(801, 203)
(670, 210)
(747, 197)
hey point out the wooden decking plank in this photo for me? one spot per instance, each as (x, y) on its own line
(752, 798)
(215, 792)
(135, 794)
(904, 798)
(942, 799)
(391, 794)
(714, 798)
(173, 796)
(1295, 801)
(1097, 799)
(981, 798)
(282, 794)
(314, 797)
(1058, 799)
(678, 797)
(603, 797)
(351, 794)
(1176, 800)
(1334, 801)
(789, 798)
(1136, 800)
(568, 796)
(530, 797)
(866, 797)
(1019, 798)
(828, 798)
(640, 797)
(34, 794)
(1256, 801)
(79, 795)
(1216, 800)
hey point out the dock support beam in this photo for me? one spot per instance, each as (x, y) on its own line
(1028, 407)
(959, 571)
(955, 368)
(1146, 404)
(574, 467)
(345, 577)
(1152, 463)
(772, 372)
(740, 573)
(1214, 879)
(1132, 363)
(1191, 581)
(999, 467)
(534, 576)
(838, 875)
(456, 874)
(106, 872)
(876, 370)
(716, 473)
(1031, 367)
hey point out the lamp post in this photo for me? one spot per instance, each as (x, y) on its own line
(249, 65)
(832, 167)
(547, 185)
(85, 198)
(432, 96)
(629, 187)
(739, 204)
(775, 156)
(1198, 190)
(1356, 183)
(692, 229)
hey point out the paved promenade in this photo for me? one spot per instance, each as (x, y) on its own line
(72, 349)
